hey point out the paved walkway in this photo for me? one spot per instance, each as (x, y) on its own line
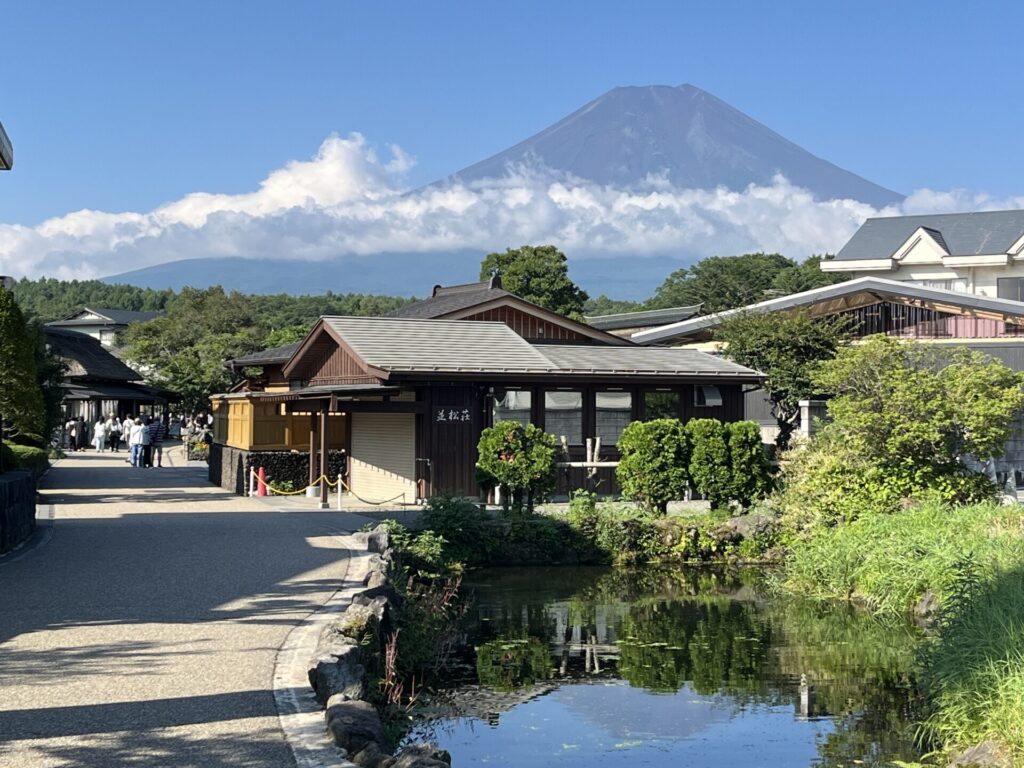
(142, 627)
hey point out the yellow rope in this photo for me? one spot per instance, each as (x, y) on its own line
(335, 484)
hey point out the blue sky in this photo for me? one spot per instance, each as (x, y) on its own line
(124, 106)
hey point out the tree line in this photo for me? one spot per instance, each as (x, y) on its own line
(185, 348)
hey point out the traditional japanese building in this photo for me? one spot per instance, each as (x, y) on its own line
(398, 403)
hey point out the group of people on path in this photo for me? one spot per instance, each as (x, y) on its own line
(142, 435)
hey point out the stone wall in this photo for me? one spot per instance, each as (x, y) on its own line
(338, 676)
(229, 467)
(17, 508)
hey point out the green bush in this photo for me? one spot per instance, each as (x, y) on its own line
(654, 466)
(8, 461)
(468, 530)
(521, 460)
(29, 457)
(709, 461)
(749, 465)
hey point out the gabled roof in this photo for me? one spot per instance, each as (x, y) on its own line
(642, 319)
(386, 346)
(407, 344)
(86, 357)
(447, 299)
(113, 316)
(839, 297)
(962, 234)
(455, 302)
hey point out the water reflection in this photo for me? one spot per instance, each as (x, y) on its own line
(626, 667)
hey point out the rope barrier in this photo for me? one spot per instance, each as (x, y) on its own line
(336, 484)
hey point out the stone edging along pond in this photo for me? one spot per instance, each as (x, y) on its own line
(338, 670)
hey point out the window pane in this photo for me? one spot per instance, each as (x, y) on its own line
(614, 412)
(563, 415)
(661, 405)
(512, 405)
(706, 396)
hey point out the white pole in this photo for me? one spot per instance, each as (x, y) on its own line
(339, 492)
(252, 482)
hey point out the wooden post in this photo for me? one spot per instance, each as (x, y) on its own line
(312, 448)
(324, 409)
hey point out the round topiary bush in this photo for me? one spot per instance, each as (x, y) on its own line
(521, 460)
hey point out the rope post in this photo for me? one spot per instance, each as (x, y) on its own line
(261, 485)
(252, 482)
(339, 492)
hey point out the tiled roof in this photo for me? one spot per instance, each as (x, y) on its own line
(963, 234)
(270, 356)
(453, 346)
(453, 298)
(642, 319)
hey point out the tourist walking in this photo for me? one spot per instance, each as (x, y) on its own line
(83, 434)
(113, 433)
(135, 442)
(99, 435)
(157, 434)
(72, 431)
(147, 444)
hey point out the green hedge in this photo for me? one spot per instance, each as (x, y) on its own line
(27, 457)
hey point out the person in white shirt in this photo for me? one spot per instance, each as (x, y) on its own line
(135, 438)
(99, 435)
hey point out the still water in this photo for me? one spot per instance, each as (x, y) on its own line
(606, 667)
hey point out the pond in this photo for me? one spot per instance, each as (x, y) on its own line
(610, 667)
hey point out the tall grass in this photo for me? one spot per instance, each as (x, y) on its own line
(888, 562)
(972, 560)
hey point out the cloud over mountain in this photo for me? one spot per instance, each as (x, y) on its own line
(347, 200)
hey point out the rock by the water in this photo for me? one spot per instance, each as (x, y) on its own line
(988, 754)
(745, 527)
(353, 724)
(927, 606)
(337, 669)
(423, 756)
(369, 756)
(378, 540)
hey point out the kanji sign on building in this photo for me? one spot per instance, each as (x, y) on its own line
(449, 415)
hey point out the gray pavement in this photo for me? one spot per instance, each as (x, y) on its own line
(143, 629)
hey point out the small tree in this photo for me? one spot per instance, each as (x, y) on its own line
(654, 467)
(749, 465)
(21, 398)
(709, 461)
(786, 347)
(521, 460)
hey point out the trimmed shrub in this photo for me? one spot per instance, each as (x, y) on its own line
(8, 461)
(654, 467)
(521, 460)
(751, 470)
(29, 457)
(709, 461)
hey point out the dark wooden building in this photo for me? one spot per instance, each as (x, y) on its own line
(406, 398)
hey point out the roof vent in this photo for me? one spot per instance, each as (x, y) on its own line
(436, 289)
(495, 281)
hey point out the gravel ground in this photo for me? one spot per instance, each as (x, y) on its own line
(142, 628)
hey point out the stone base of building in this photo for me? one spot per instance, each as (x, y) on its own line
(230, 467)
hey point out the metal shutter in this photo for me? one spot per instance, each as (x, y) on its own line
(384, 456)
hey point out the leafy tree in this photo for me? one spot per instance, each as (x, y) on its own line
(539, 274)
(805, 276)
(654, 466)
(50, 371)
(722, 282)
(749, 465)
(521, 460)
(281, 336)
(185, 349)
(919, 408)
(21, 399)
(709, 461)
(786, 347)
